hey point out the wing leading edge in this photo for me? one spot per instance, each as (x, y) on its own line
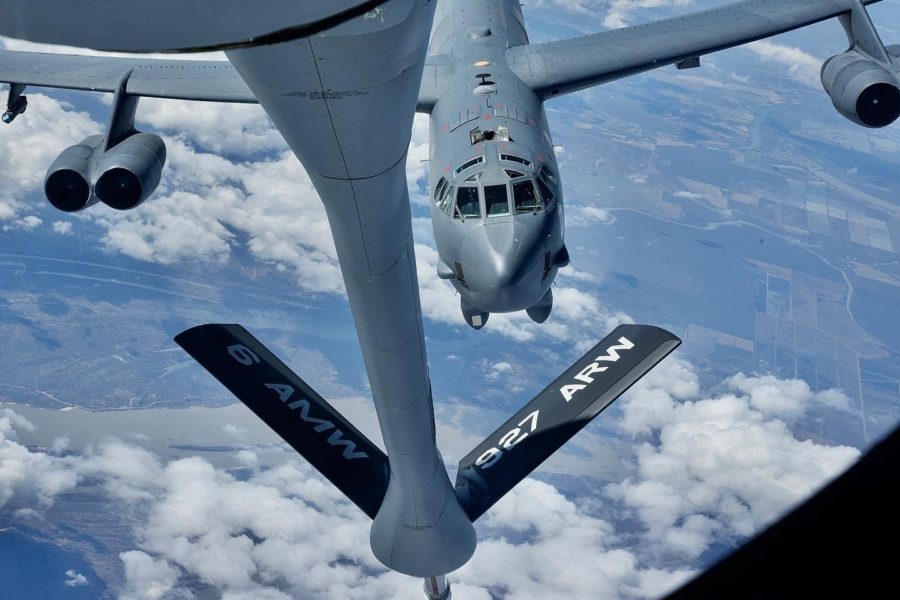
(210, 80)
(564, 66)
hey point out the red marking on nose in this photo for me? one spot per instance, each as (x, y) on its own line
(488, 117)
(447, 170)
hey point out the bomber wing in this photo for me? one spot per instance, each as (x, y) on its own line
(564, 66)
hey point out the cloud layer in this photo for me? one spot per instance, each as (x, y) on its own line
(718, 468)
(706, 469)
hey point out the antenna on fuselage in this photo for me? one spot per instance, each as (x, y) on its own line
(484, 79)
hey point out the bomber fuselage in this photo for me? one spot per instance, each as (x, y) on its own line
(496, 203)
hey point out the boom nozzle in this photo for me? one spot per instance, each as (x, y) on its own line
(437, 588)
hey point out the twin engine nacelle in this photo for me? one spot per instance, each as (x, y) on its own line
(862, 89)
(121, 177)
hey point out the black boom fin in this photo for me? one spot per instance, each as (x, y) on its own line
(556, 414)
(293, 410)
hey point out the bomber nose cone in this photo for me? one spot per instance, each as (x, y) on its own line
(496, 259)
(490, 252)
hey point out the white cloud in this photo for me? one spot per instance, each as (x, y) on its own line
(586, 216)
(620, 12)
(801, 66)
(235, 431)
(417, 160)
(75, 579)
(62, 227)
(28, 478)
(8, 209)
(719, 468)
(785, 399)
(26, 223)
(129, 472)
(243, 129)
(148, 578)
(31, 143)
(59, 445)
(217, 199)
(568, 554)
(247, 458)
(504, 373)
(707, 469)
(687, 195)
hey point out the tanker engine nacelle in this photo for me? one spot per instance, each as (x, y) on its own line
(862, 89)
(67, 184)
(121, 177)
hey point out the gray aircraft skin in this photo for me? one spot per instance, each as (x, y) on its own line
(341, 81)
(497, 208)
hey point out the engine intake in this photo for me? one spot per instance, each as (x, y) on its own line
(861, 89)
(67, 183)
(130, 172)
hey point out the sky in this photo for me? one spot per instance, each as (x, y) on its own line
(709, 466)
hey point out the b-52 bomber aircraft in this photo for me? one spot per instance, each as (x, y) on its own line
(341, 80)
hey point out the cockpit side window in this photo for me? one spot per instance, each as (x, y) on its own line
(439, 189)
(548, 175)
(525, 197)
(446, 200)
(496, 200)
(443, 195)
(467, 203)
(546, 181)
(545, 191)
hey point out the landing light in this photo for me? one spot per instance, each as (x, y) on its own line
(482, 63)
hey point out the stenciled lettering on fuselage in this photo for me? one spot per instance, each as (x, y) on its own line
(286, 392)
(584, 376)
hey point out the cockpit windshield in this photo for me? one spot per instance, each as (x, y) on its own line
(525, 197)
(467, 204)
(496, 201)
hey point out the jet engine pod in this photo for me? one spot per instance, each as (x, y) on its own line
(67, 184)
(130, 171)
(861, 89)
